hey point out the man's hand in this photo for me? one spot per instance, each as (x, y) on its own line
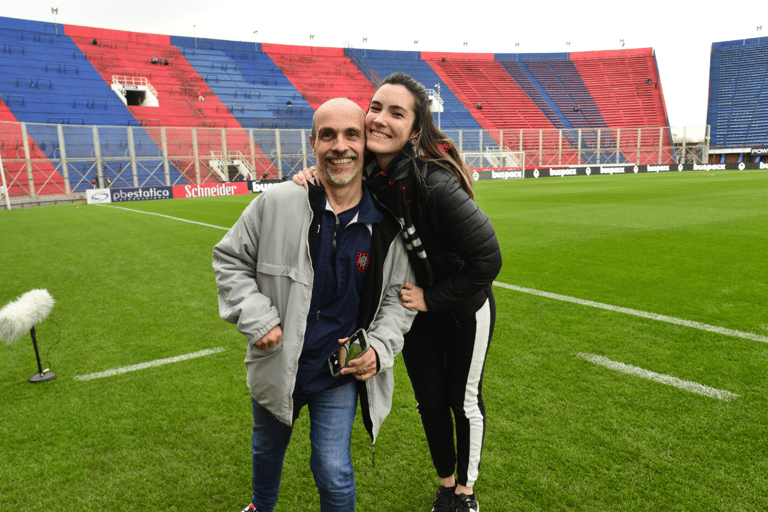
(363, 367)
(271, 339)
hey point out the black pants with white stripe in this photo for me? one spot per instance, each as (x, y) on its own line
(445, 357)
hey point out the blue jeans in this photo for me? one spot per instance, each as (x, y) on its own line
(331, 413)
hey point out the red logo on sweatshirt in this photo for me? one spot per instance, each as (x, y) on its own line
(362, 261)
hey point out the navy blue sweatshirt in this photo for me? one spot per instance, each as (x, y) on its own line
(341, 258)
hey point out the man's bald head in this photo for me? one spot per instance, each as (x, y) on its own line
(338, 141)
(336, 104)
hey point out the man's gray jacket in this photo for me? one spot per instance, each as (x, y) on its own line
(264, 274)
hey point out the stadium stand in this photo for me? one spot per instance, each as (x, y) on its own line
(49, 82)
(738, 96)
(623, 84)
(23, 156)
(496, 101)
(626, 88)
(183, 97)
(454, 119)
(606, 90)
(321, 73)
(555, 86)
(153, 109)
(257, 93)
(492, 96)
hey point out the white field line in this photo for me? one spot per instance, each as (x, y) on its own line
(635, 312)
(150, 364)
(686, 385)
(166, 216)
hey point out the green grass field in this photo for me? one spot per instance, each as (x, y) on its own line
(563, 433)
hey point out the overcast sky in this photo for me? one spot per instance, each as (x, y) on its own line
(681, 32)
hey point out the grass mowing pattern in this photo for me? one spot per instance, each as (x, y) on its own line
(563, 433)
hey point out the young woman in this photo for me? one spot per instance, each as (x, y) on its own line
(417, 172)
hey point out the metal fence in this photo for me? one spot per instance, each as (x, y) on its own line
(46, 159)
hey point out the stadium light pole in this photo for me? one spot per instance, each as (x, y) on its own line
(55, 11)
(255, 40)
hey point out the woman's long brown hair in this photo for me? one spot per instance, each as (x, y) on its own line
(432, 142)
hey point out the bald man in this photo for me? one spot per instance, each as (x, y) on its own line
(299, 272)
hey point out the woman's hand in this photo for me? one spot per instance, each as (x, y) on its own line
(412, 297)
(307, 175)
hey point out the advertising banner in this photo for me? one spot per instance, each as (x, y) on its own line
(496, 174)
(140, 194)
(98, 196)
(261, 186)
(607, 169)
(213, 190)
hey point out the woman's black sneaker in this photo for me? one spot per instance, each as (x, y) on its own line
(464, 503)
(443, 499)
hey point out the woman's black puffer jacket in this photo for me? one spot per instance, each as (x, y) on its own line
(457, 235)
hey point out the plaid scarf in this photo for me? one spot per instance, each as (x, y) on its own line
(400, 190)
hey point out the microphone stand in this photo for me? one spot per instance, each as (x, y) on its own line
(42, 376)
